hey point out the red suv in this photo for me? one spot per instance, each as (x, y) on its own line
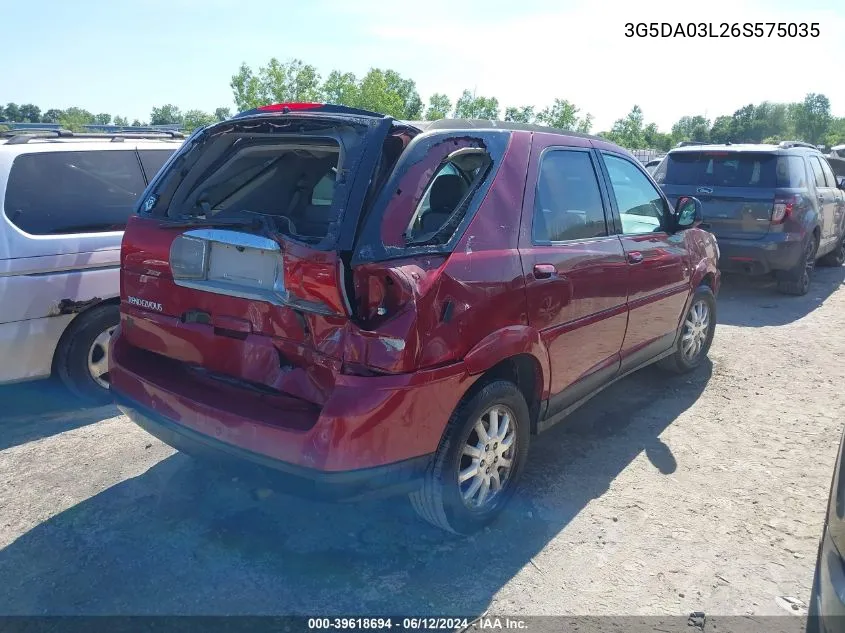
(365, 305)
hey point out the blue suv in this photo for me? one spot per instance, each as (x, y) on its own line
(774, 209)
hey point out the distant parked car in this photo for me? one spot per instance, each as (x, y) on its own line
(838, 151)
(360, 304)
(775, 209)
(64, 201)
(652, 165)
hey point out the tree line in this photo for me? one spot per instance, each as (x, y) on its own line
(388, 92)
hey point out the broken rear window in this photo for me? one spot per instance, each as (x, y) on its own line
(432, 194)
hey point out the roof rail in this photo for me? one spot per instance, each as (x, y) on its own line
(18, 138)
(788, 144)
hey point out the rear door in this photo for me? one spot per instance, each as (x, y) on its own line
(659, 271)
(827, 200)
(736, 189)
(575, 271)
(838, 195)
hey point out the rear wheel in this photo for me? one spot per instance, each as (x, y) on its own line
(836, 257)
(83, 355)
(479, 461)
(797, 281)
(696, 335)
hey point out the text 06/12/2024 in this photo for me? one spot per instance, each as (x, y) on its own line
(722, 29)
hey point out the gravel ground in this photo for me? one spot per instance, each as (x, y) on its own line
(662, 496)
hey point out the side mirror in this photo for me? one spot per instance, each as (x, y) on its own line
(688, 212)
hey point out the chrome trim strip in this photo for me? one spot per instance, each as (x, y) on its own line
(234, 238)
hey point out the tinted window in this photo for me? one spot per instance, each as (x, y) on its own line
(153, 160)
(639, 202)
(791, 172)
(719, 169)
(816, 168)
(828, 173)
(567, 203)
(73, 192)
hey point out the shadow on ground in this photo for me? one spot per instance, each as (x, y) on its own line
(756, 302)
(184, 539)
(32, 410)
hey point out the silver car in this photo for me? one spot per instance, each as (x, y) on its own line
(64, 201)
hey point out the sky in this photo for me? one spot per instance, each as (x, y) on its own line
(126, 56)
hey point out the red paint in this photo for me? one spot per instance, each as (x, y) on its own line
(375, 382)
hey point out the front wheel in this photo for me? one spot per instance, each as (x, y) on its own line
(479, 461)
(696, 333)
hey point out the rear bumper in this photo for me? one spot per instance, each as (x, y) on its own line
(389, 479)
(779, 251)
(370, 433)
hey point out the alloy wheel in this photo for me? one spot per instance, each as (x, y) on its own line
(696, 330)
(487, 458)
(98, 358)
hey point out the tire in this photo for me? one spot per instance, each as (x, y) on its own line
(440, 500)
(87, 339)
(698, 326)
(797, 280)
(836, 257)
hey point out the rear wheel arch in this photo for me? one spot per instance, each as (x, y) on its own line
(523, 370)
(82, 338)
(515, 352)
(75, 322)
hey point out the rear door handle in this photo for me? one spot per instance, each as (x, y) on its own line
(635, 257)
(544, 271)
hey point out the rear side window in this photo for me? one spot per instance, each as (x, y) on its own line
(153, 160)
(719, 169)
(791, 173)
(567, 204)
(818, 174)
(828, 173)
(53, 193)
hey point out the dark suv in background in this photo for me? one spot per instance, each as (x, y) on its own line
(773, 208)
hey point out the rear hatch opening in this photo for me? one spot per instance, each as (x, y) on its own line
(282, 251)
(242, 247)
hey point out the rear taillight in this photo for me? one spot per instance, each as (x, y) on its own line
(381, 294)
(783, 208)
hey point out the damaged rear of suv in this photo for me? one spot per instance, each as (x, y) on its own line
(267, 312)
(339, 298)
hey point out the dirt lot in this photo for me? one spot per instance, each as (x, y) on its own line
(662, 496)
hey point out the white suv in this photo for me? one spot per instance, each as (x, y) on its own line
(64, 201)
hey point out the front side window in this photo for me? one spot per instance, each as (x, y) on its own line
(818, 174)
(54, 193)
(640, 204)
(567, 202)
